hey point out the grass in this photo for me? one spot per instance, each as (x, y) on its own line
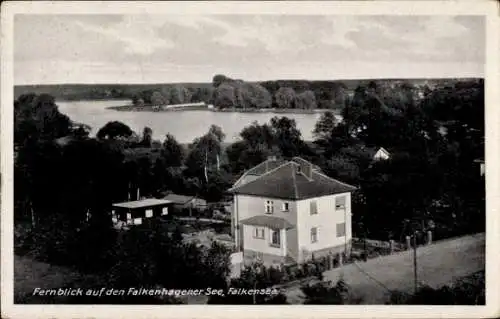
(30, 274)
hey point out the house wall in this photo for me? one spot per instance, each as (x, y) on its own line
(262, 245)
(326, 222)
(246, 206)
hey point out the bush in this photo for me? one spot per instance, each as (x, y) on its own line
(324, 293)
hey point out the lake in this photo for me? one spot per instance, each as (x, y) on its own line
(183, 125)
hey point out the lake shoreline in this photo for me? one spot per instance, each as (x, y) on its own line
(131, 108)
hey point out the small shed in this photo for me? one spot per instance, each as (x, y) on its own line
(185, 201)
(132, 213)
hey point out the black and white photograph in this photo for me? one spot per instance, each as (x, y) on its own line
(245, 158)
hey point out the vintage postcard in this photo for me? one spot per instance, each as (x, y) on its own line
(243, 159)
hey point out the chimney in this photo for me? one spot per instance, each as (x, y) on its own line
(305, 168)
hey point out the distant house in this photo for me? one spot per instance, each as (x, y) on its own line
(133, 212)
(372, 154)
(380, 154)
(288, 211)
(185, 201)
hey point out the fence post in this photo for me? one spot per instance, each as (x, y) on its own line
(408, 242)
(429, 237)
(391, 246)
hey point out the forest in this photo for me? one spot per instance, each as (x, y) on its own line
(66, 180)
(226, 92)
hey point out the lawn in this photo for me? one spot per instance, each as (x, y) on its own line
(30, 274)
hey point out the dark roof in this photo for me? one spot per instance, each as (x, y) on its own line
(268, 221)
(150, 202)
(261, 168)
(286, 183)
(271, 164)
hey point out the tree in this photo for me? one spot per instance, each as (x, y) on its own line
(172, 152)
(225, 96)
(178, 94)
(256, 134)
(306, 100)
(467, 291)
(324, 293)
(205, 154)
(325, 125)
(253, 277)
(36, 117)
(287, 137)
(114, 130)
(218, 80)
(157, 99)
(286, 98)
(147, 136)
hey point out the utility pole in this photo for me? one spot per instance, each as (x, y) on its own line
(415, 260)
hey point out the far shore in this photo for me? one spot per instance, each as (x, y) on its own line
(132, 108)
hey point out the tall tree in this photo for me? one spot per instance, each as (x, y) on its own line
(147, 136)
(286, 98)
(172, 152)
(306, 100)
(287, 137)
(325, 125)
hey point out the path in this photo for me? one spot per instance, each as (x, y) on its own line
(437, 265)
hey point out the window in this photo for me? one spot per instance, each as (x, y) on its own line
(340, 202)
(314, 234)
(258, 233)
(149, 213)
(269, 207)
(341, 230)
(275, 238)
(164, 211)
(286, 206)
(313, 207)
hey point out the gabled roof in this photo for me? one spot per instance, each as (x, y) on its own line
(181, 199)
(286, 183)
(268, 221)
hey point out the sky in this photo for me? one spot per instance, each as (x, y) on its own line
(57, 49)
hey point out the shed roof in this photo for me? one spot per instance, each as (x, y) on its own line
(143, 203)
(182, 199)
